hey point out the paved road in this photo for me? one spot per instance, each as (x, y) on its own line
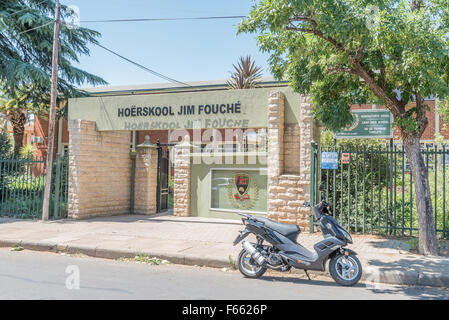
(39, 275)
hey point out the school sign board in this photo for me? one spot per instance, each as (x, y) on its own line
(368, 124)
(329, 160)
(184, 110)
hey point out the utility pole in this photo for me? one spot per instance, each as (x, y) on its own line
(52, 115)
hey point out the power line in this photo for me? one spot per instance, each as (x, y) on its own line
(164, 19)
(38, 27)
(157, 74)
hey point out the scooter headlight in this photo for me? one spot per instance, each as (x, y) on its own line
(346, 235)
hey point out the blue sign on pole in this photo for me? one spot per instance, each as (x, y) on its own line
(329, 160)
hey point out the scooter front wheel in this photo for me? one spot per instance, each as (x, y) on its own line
(248, 266)
(345, 270)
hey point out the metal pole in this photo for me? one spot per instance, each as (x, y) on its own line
(159, 178)
(391, 186)
(132, 155)
(313, 173)
(52, 116)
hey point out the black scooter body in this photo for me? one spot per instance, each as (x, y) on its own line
(293, 253)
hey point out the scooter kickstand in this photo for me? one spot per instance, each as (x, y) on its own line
(307, 274)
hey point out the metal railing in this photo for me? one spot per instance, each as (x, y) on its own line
(374, 192)
(22, 183)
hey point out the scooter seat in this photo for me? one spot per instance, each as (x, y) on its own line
(285, 229)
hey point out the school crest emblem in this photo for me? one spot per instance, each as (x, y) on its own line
(242, 191)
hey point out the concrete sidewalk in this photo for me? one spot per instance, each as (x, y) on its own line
(208, 242)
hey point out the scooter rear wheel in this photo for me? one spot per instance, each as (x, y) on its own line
(345, 270)
(248, 266)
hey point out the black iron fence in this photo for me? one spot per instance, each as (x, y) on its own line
(22, 183)
(373, 191)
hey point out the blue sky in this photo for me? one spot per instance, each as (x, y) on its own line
(183, 50)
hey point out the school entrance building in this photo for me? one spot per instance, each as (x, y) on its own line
(220, 151)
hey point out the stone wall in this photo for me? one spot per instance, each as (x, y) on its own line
(99, 171)
(182, 179)
(289, 162)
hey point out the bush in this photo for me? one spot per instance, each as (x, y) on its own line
(5, 145)
(27, 152)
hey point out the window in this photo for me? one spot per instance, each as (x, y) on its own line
(239, 190)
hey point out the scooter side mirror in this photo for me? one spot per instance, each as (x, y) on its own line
(306, 204)
(321, 187)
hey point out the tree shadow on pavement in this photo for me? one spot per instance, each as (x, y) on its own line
(414, 292)
(438, 266)
(397, 244)
(383, 290)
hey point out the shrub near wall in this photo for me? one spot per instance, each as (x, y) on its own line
(23, 187)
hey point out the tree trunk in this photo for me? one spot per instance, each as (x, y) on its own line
(426, 222)
(18, 125)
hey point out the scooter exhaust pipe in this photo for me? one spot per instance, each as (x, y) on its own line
(253, 252)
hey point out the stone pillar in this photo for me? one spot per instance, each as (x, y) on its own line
(306, 128)
(288, 167)
(182, 178)
(145, 190)
(275, 135)
(99, 171)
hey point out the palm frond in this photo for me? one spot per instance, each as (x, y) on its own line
(246, 74)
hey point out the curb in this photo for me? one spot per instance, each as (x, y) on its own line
(372, 274)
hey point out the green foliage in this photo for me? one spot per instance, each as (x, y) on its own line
(245, 74)
(148, 260)
(5, 145)
(350, 51)
(442, 107)
(17, 247)
(24, 183)
(327, 141)
(26, 45)
(22, 187)
(25, 54)
(27, 152)
(413, 244)
(230, 262)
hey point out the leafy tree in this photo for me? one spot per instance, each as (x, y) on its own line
(344, 52)
(26, 44)
(5, 152)
(5, 145)
(245, 74)
(15, 110)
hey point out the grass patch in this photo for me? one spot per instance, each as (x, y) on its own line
(17, 247)
(150, 260)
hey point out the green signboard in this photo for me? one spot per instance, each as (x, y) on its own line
(184, 110)
(368, 124)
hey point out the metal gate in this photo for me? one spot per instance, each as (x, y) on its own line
(163, 176)
(374, 192)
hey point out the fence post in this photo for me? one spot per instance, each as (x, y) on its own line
(57, 187)
(313, 173)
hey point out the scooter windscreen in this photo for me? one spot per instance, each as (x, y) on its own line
(332, 227)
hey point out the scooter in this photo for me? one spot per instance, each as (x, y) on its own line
(283, 252)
